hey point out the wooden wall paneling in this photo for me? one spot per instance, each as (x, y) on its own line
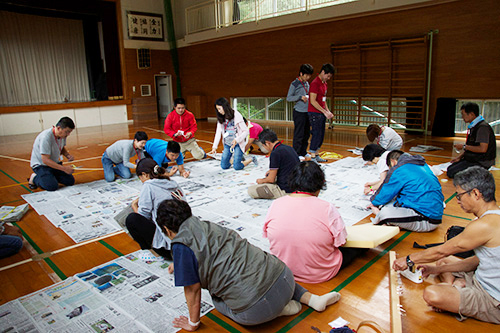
(264, 64)
(144, 109)
(198, 106)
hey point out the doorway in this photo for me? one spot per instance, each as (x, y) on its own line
(163, 85)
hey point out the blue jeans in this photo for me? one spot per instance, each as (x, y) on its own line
(226, 158)
(49, 179)
(110, 170)
(270, 305)
(317, 121)
(10, 245)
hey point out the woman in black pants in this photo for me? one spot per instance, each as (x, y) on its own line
(157, 186)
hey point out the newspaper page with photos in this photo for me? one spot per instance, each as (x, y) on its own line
(134, 293)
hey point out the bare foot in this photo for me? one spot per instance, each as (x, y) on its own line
(32, 177)
(459, 283)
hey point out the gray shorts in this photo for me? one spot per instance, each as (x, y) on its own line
(475, 302)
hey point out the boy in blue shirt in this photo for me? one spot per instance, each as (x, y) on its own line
(164, 152)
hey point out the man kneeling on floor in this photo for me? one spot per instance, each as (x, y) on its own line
(471, 286)
(282, 161)
(410, 195)
(47, 156)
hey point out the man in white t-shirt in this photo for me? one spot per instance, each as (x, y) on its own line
(47, 156)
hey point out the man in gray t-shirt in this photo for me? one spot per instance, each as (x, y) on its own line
(116, 158)
(47, 155)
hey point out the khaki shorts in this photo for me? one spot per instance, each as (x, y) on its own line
(266, 191)
(475, 302)
(192, 146)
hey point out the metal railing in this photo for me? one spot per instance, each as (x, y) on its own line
(218, 14)
(278, 109)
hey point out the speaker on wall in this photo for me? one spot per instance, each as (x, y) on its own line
(444, 119)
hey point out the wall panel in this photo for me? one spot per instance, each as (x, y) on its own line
(465, 63)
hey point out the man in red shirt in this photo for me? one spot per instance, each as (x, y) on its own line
(181, 126)
(318, 110)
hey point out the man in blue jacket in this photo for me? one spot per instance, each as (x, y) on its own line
(410, 196)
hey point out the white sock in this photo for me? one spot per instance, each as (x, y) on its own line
(291, 308)
(319, 303)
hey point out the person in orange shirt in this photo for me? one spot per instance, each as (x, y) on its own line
(181, 127)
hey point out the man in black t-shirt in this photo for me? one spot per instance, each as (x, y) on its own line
(282, 160)
(480, 146)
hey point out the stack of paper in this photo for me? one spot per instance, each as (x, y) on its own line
(12, 213)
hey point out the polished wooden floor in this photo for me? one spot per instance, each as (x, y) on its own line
(364, 285)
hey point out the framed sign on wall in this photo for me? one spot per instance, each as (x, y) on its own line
(146, 26)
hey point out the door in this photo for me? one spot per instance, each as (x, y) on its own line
(163, 85)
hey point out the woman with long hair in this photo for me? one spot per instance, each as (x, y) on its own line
(234, 132)
(157, 186)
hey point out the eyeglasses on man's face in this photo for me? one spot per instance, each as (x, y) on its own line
(460, 195)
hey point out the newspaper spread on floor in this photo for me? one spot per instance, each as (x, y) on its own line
(87, 211)
(134, 293)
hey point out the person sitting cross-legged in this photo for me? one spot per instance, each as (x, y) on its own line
(282, 160)
(471, 286)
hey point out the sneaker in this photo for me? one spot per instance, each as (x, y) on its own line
(318, 159)
(254, 160)
(302, 158)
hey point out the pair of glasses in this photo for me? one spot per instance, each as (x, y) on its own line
(460, 195)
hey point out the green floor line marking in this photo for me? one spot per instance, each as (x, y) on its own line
(9, 202)
(452, 196)
(5, 173)
(458, 217)
(115, 251)
(306, 313)
(49, 262)
(222, 323)
(28, 238)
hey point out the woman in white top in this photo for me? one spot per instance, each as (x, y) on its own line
(385, 136)
(375, 154)
(234, 132)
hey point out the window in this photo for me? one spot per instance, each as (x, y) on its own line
(489, 109)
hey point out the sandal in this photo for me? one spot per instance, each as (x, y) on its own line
(31, 186)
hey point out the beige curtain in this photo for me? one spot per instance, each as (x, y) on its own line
(42, 60)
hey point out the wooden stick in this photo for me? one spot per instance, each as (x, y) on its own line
(44, 255)
(87, 169)
(396, 325)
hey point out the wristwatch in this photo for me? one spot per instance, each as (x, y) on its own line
(409, 262)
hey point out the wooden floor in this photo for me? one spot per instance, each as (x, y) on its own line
(364, 285)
